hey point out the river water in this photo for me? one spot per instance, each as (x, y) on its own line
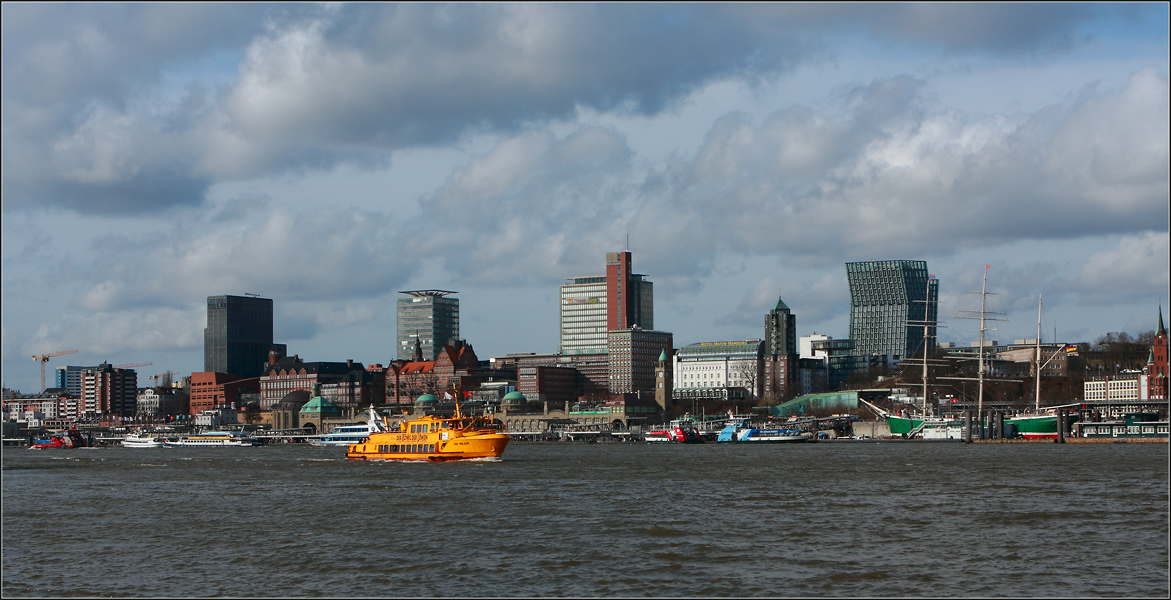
(608, 519)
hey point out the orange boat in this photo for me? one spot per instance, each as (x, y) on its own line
(436, 439)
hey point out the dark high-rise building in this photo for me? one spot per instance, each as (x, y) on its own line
(889, 302)
(780, 330)
(429, 316)
(238, 336)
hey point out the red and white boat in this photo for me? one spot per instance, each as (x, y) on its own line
(64, 439)
(680, 431)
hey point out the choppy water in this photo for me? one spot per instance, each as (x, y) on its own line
(559, 519)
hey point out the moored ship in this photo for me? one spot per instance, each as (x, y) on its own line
(742, 431)
(436, 439)
(680, 431)
(213, 439)
(140, 440)
(71, 438)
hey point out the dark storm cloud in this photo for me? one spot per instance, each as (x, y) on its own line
(90, 121)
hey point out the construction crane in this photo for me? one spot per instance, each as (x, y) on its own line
(131, 365)
(166, 377)
(44, 358)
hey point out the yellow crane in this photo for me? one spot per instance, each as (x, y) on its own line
(166, 378)
(44, 358)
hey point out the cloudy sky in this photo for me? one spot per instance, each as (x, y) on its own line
(328, 156)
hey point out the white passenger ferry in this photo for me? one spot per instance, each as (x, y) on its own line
(141, 440)
(213, 439)
(345, 435)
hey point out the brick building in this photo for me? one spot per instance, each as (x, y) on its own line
(347, 385)
(107, 391)
(210, 390)
(1156, 369)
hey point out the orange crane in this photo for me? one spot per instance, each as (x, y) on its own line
(44, 358)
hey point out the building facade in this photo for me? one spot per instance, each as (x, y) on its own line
(107, 391)
(238, 336)
(584, 324)
(69, 378)
(779, 375)
(633, 356)
(708, 367)
(592, 306)
(349, 383)
(430, 317)
(1156, 369)
(889, 302)
(215, 390)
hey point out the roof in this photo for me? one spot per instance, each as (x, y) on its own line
(731, 350)
(427, 398)
(293, 400)
(781, 305)
(514, 396)
(320, 405)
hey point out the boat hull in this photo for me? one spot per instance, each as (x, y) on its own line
(142, 443)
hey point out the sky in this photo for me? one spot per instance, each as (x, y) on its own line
(330, 156)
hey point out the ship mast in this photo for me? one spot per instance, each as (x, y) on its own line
(984, 318)
(1037, 396)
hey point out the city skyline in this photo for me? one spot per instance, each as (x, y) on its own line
(328, 156)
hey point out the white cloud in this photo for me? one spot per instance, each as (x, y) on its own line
(1134, 270)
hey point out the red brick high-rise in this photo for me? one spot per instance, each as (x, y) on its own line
(1157, 364)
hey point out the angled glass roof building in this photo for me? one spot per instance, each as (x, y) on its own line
(889, 302)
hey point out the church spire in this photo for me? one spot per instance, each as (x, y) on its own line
(1161, 329)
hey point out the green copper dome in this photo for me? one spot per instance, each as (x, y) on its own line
(426, 398)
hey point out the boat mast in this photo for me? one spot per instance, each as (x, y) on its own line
(980, 376)
(1037, 396)
(926, 335)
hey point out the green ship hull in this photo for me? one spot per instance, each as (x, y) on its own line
(1038, 426)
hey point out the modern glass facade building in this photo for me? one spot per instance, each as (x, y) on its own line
(430, 316)
(238, 336)
(889, 302)
(583, 316)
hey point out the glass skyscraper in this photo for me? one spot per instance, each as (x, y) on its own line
(889, 302)
(238, 336)
(431, 317)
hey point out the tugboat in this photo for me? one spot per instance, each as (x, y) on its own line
(64, 439)
(434, 438)
(680, 431)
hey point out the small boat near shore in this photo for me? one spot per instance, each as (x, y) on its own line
(213, 439)
(679, 431)
(743, 432)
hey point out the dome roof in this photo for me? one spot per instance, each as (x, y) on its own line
(293, 400)
(425, 398)
(514, 396)
(320, 405)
